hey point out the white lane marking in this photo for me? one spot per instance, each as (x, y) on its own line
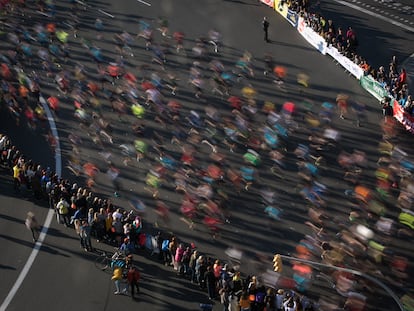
(83, 3)
(29, 262)
(106, 13)
(49, 217)
(143, 2)
(355, 7)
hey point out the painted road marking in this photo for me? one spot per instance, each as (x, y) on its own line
(355, 7)
(143, 2)
(49, 217)
(106, 13)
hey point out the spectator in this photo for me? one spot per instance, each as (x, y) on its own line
(210, 281)
(244, 302)
(62, 208)
(133, 278)
(117, 278)
(85, 236)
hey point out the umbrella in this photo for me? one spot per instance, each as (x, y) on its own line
(62, 36)
(248, 91)
(289, 107)
(138, 110)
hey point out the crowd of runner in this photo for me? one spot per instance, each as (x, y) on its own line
(189, 148)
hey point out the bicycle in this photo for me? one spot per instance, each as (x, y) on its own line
(107, 260)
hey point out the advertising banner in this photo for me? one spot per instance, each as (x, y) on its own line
(311, 36)
(373, 87)
(281, 7)
(270, 3)
(404, 118)
(292, 18)
(345, 62)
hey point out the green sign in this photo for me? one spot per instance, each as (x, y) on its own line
(373, 87)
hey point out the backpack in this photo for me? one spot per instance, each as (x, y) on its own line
(165, 245)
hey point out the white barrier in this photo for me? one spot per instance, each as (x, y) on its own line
(311, 36)
(345, 62)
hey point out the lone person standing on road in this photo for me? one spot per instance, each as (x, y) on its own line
(32, 225)
(265, 24)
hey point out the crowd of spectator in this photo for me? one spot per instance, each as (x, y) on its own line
(95, 218)
(98, 218)
(393, 78)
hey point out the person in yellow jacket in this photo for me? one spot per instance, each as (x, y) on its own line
(117, 278)
(16, 177)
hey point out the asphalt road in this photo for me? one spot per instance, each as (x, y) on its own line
(375, 32)
(63, 276)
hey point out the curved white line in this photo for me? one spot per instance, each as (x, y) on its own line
(49, 217)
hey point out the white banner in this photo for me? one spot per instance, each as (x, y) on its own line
(345, 62)
(311, 36)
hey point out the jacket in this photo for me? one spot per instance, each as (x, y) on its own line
(117, 275)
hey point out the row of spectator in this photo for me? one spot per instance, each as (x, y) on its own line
(393, 78)
(92, 216)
